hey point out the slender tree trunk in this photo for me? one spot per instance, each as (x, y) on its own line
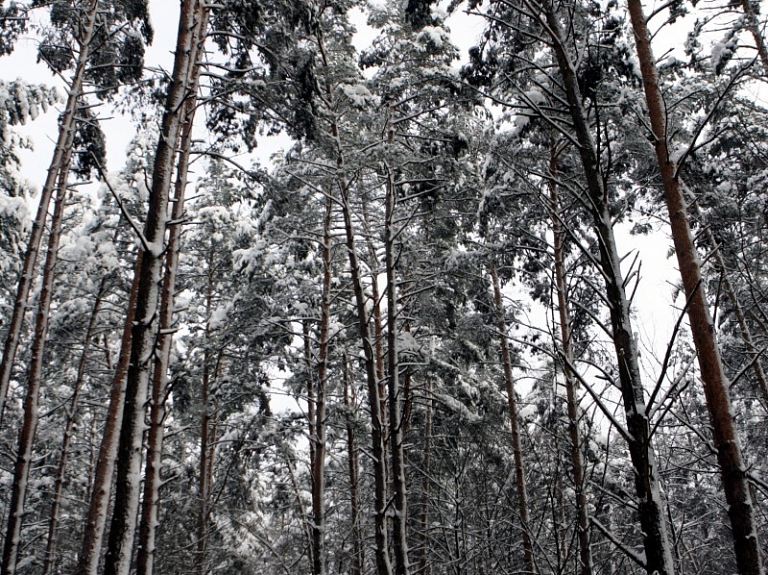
(29, 425)
(96, 518)
(181, 93)
(61, 154)
(517, 451)
(53, 525)
(383, 561)
(574, 432)
(658, 554)
(318, 464)
(424, 565)
(400, 520)
(152, 474)
(732, 468)
(378, 333)
(358, 550)
(208, 427)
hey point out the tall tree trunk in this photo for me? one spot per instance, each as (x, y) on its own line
(399, 488)
(58, 489)
(732, 468)
(208, 428)
(378, 331)
(181, 93)
(378, 451)
(517, 451)
(319, 437)
(29, 425)
(152, 477)
(101, 490)
(574, 432)
(424, 565)
(658, 554)
(350, 404)
(59, 163)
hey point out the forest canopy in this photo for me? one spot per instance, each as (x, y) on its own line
(495, 309)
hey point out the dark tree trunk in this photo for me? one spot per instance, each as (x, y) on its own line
(101, 490)
(358, 550)
(152, 477)
(319, 436)
(400, 519)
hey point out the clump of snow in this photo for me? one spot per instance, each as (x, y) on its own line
(359, 95)
(434, 37)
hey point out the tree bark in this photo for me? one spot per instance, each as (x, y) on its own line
(181, 93)
(152, 474)
(353, 468)
(517, 451)
(658, 554)
(61, 154)
(101, 490)
(732, 468)
(53, 525)
(319, 437)
(424, 565)
(574, 432)
(208, 429)
(399, 488)
(31, 401)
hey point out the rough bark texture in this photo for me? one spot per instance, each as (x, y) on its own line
(53, 525)
(61, 153)
(183, 88)
(101, 490)
(400, 519)
(517, 451)
(424, 566)
(353, 464)
(574, 433)
(318, 438)
(378, 451)
(31, 401)
(208, 429)
(716, 383)
(152, 474)
(658, 554)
